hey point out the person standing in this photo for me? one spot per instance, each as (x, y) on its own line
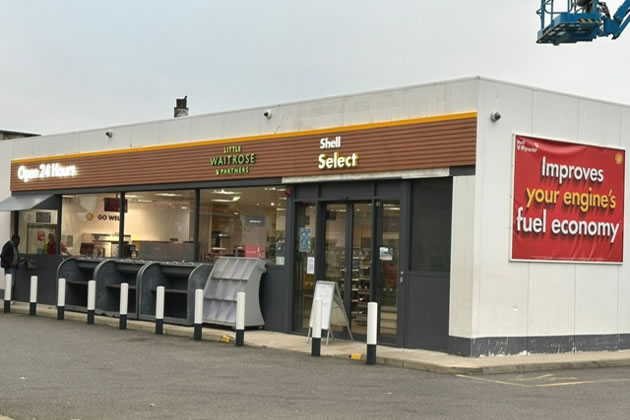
(10, 258)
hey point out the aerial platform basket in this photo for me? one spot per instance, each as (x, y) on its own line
(569, 27)
(571, 21)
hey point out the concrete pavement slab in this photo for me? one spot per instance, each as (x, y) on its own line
(425, 360)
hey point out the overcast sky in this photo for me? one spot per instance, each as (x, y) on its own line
(68, 65)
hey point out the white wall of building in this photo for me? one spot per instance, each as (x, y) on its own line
(539, 299)
(387, 105)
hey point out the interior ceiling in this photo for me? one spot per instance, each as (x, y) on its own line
(258, 196)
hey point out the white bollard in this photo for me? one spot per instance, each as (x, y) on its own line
(91, 301)
(124, 306)
(240, 319)
(159, 310)
(61, 298)
(33, 297)
(198, 313)
(8, 279)
(371, 332)
(316, 333)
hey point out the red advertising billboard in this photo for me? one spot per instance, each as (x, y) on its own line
(568, 201)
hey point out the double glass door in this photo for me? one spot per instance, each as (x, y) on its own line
(358, 250)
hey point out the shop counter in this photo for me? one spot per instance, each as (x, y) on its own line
(180, 280)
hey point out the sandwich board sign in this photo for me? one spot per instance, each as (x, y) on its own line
(333, 311)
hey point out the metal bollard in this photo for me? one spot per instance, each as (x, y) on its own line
(91, 301)
(240, 319)
(371, 332)
(8, 279)
(316, 333)
(61, 298)
(159, 310)
(124, 306)
(32, 307)
(198, 313)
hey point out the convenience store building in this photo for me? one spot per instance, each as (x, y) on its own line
(416, 198)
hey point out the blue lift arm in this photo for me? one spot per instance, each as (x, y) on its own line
(579, 21)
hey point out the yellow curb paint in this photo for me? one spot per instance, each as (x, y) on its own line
(355, 356)
(226, 339)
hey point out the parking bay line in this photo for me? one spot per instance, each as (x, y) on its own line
(543, 385)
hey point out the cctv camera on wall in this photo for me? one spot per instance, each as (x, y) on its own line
(267, 113)
(109, 133)
(495, 116)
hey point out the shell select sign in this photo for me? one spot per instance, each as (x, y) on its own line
(568, 201)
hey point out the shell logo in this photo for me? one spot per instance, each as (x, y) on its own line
(619, 158)
(89, 217)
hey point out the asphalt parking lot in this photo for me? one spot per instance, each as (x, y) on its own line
(70, 370)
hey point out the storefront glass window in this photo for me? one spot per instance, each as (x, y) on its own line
(38, 230)
(90, 225)
(244, 222)
(160, 225)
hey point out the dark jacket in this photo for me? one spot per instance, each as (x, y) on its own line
(6, 258)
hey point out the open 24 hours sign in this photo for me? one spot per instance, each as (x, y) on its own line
(568, 201)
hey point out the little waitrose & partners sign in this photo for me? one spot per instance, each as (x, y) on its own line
(568, 201)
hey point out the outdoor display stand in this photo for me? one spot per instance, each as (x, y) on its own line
(180, 281)
(109, 275)
(77, 272)
(229, 276)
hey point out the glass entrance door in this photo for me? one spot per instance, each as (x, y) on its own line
(386, 280)
(362, 221)
(348, 257)
(305, 263)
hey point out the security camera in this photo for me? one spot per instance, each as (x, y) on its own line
(495, 116)
(109, 133)
(267, 113)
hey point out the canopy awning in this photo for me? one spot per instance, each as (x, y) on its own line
(23, 202)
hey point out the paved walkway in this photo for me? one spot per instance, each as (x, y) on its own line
(408, 358)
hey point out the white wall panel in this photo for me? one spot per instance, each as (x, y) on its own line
(554, 116)
(551, 309)
(419, 101)
(623, 298)
(207, 127)
(461, 96)
(284, 119)
(6, 152)
(596, 299)
(321, 114)
(176, 130)
(461, 293)
(503, 286)
(599, 123)
(145, 134)
(242, 123)
(369, 108)
(23, 148)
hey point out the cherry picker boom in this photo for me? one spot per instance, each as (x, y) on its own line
(579, 21)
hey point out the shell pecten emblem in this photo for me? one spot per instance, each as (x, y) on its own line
(619, 158)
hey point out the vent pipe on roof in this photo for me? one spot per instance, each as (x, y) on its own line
(181, 110)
